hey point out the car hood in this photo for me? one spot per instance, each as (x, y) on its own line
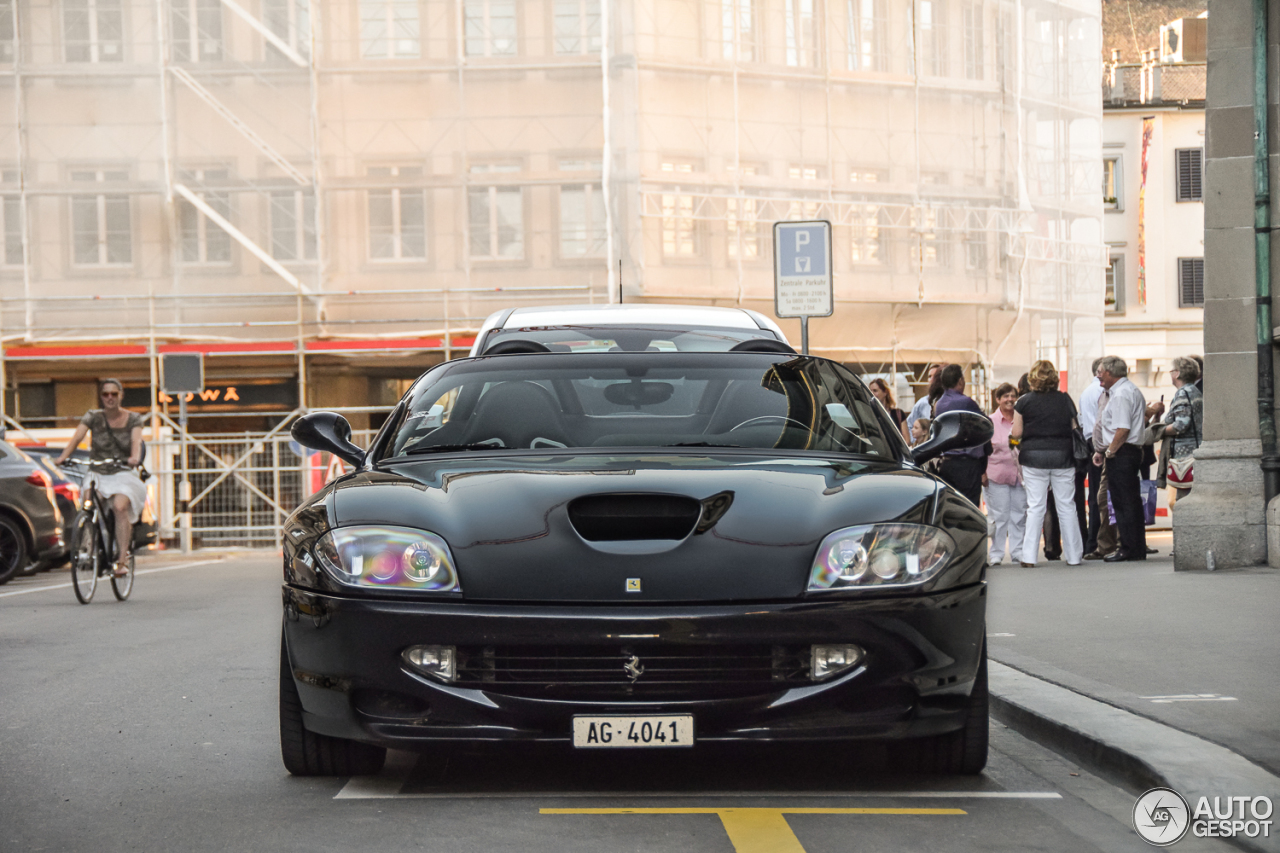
(571, 527)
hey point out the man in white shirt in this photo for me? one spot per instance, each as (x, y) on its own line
(1121, 425)
(922, 408)
(1088, 414)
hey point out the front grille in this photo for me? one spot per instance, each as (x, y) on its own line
(633, 671)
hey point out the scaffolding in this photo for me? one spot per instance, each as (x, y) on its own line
(294, 177)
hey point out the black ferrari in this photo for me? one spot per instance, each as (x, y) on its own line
(634, 550)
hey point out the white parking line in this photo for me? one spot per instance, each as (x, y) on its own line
(138, 572)
(1189, 697)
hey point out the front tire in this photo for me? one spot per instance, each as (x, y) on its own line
(309, 754)
(962, 752)
(86, 558)
(13, 549)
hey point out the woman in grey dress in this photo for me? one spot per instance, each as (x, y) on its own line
(116, 439)
(1185, 418)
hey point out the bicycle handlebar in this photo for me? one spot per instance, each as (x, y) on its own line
(95, 463)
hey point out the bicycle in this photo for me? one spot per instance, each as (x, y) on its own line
(93, 547)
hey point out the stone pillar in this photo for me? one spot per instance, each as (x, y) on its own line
(1225, 512)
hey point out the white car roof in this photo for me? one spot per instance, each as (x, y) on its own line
(627, 315)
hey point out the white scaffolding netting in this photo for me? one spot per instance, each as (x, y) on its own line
(284, 170)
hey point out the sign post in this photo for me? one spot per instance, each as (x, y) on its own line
(802, 273)
(182, 374)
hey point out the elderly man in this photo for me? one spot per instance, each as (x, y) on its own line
(1121, 424)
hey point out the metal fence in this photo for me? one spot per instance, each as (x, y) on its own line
(242, 485)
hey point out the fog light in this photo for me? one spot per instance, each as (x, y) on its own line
(833, 660)
(437, 661)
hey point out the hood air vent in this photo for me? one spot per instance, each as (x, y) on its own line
(619, 518)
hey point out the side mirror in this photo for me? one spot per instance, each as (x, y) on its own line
(954, 431)
(327, 431)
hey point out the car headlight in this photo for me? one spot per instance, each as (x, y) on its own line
(388, 558)
(880, 556)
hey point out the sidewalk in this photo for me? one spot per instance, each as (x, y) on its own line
(1144, 654)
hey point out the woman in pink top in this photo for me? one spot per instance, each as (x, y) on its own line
(1006, 499)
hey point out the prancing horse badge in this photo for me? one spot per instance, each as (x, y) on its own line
(633, 584)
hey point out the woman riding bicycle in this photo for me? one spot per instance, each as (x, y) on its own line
(117, 439)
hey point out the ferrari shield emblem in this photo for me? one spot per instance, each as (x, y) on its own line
(633, 584)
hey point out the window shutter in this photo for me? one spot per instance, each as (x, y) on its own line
(1189, 168)
(1191, 282)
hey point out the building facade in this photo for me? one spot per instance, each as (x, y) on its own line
(326, 196)
(1153, 197)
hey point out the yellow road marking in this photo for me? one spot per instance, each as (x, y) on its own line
(753, 830)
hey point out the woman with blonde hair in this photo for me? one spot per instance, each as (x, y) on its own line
(881, 390)
(1043, 421)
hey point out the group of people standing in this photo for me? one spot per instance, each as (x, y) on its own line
(1047, 455)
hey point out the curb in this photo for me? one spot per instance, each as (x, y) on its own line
(1135, 751)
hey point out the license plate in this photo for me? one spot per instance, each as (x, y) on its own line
(626, 731)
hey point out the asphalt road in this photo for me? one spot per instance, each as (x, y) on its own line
(151, 725)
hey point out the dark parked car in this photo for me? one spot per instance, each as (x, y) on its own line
(31, 529)
(634, 549)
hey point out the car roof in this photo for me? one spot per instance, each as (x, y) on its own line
(628, 315)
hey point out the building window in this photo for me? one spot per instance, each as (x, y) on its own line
(196, 30)
(933, 37)
(867, 35)
(6, 31)
(1112, 184)
(1115, 285)
(490, 27)
(801, 34)
(290, 20)
(582, 221)
(389, 29)
(1190, 282)
(93, 30)
(680, 234)
(859, 175)
(932, 246)
(743, 219)
(577, 26)
(973, 42)
(801, 175)
(101, 231)
(866, 246)
(738, 30)
(975, 251)
(496, 217)
(203, 241)
(1190, 161)
(397, 216)
(293, 225)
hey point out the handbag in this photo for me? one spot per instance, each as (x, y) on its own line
(1081, 447)
(1181, 473)
(1081, 451)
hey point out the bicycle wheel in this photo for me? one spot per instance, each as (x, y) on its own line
(86, 558)
(122, 586)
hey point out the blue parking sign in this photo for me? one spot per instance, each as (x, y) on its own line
(802, 269)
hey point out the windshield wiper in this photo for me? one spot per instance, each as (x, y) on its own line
(701, 444)
(447, 448)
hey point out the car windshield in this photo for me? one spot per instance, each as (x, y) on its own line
(642, 400)
(609, 338)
